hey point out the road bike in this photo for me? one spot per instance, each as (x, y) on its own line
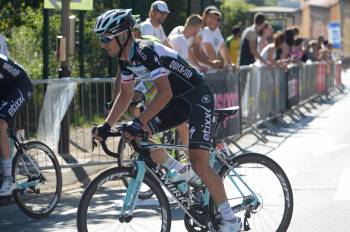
(257, 188)
(37, 174)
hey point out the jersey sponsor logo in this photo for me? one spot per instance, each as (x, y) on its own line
(141, 54)
(14, 72)
(158, 72)
(156, 60)
(206, 99)
(180, 68)
(16, 104)
(140, 71)
(192, 130)
(207, 123)
(157, 119)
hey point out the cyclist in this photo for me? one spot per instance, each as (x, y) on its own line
(15, 90)
(182, 94)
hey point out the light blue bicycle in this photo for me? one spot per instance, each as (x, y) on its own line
(257, 188)
(37, 175)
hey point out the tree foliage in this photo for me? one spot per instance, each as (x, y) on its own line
(234, 12)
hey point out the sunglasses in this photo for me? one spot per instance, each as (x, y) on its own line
(107, 39)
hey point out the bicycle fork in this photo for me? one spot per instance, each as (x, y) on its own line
(132, 193)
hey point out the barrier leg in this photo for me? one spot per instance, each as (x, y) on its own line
(271, 127)
(258, 135)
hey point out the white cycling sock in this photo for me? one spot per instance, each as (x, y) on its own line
(226, 211)
(7, 167)
(172, 163)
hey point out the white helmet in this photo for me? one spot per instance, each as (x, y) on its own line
(114, 22)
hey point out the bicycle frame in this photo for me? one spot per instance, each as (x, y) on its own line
(16, 143)
(142, 166)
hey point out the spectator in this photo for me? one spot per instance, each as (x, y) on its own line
(264, 36)
(269, 51)
(198, 52)
(306, 52)
(213, 43)
(181, 38)
(248, 50)
(297, 51)
(232, 43)
(313, 54)
(325, 54)
(285, 51)
(153, 25)
(296, 31)
(3, 46)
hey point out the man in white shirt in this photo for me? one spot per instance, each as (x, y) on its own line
(212, 40)
(153, 25)
(181, 39)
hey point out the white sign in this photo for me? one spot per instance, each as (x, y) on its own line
(334, 34)
(74, 4)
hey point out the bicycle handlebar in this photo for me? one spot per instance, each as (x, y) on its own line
(119, 132)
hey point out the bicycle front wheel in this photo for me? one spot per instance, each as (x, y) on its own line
(270, 185)
(102, 202)
(38, 177)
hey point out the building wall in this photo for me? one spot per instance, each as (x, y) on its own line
(335, 13)
(305, 26)
(345, 9)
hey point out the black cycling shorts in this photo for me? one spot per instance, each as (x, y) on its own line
(196, 106)
(13, 98)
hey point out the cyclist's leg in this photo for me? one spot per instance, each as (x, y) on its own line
(10, 105)
(166, 119)
(183, 132)
(200, 142)
(4, 140)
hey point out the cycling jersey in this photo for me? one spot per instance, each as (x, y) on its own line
(149, 60)
(192, 97)
(15, 88)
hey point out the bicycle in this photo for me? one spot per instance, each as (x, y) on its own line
(107, 203)
(37, 175)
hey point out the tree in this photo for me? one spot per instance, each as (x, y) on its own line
(234, 12)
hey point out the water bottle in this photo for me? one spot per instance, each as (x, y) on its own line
(213, 161)
(182, 186)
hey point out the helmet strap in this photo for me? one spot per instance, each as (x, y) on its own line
(124, 44)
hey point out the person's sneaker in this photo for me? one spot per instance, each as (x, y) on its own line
(186, 174)
(7, 187)
(234, 225)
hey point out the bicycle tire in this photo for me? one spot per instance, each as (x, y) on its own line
(143, 194)
(102, 182)
(256, 162)
(26, 199)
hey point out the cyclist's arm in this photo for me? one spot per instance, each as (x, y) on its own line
(121, 103)
(162, 97)
(116, 85)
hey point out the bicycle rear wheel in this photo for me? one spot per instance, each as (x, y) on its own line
(268, 182)
(101, 204)
(38, 177)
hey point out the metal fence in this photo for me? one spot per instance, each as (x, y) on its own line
(261, 92)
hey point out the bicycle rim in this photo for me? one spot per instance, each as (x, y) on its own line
(38, 200)
(100, 206)
(269, 183)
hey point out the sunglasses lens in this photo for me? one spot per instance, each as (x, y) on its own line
(105, 40)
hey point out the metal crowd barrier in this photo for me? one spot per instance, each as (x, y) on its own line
(261, 92)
